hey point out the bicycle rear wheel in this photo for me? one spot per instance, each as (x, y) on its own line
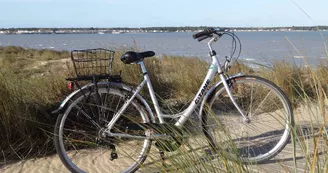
(269, 112)
(78, 133)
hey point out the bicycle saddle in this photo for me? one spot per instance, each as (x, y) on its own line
(132, 57)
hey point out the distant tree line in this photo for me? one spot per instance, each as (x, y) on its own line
(170, 29)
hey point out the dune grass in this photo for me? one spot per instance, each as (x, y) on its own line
(25, 121)
(32, 83)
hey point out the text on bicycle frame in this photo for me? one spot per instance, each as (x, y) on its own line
(202, 92)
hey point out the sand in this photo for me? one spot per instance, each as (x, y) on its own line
(52, 164)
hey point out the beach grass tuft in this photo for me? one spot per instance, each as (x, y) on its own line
(32, 84)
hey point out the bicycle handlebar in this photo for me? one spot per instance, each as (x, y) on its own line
(219, 32)
(206, 34)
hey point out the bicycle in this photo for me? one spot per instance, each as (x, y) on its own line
(106, 121)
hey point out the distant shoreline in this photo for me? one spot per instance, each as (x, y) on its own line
(8, 31)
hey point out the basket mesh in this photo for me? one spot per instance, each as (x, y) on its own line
(92, 62)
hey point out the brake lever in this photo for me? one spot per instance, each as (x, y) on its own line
(219, 34)
(227, 64)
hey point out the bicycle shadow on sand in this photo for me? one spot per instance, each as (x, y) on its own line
(305, 134)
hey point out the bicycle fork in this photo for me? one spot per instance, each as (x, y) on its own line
(223, 78)
(227, 88)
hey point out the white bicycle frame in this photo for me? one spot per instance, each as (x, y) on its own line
(214, 68)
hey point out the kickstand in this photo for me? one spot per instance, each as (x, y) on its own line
(161, 153)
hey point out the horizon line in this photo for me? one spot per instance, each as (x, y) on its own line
(168, 27)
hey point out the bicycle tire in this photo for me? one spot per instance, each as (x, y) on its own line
(77, 138)
(268, 109)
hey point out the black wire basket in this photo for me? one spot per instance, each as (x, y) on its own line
(92, 63)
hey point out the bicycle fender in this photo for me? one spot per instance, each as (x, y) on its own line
(211, 90)
(115, 85)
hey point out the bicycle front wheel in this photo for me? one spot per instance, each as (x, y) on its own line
(270, 119)
(79, 140)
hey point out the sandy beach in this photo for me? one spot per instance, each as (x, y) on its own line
(52, 164)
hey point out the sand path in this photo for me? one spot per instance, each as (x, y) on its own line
(308, 119)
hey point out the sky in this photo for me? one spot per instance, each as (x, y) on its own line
(152, 13)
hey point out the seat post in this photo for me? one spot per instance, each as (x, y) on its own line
(151, 91)
(143, 67)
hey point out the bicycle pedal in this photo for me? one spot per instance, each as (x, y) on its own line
(165, 162)
(161, 153)
(113, 156)
(209, 154)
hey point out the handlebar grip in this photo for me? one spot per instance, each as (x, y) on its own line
(206, 32)
(202, 38)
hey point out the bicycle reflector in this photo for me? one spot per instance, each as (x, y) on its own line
(70, 86)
